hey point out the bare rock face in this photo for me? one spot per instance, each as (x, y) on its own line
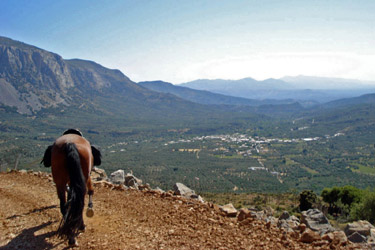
(316, 221)
(117, 177)
(33, 77)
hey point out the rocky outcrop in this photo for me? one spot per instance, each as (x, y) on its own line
(38, 78)
(132, 181)
(117, 177)
(289, 223)
(316, 221)
(184, 191)
(362, 227)
(360, 231)
(357, 238)
(229, 210)
(98, 174)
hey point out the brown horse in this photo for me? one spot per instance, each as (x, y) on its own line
(72, 158)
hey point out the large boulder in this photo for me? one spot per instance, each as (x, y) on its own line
(357, 238)
(117, 177)
(132, 181)
(316, 221)
(362, 227)
(181, 189)
(98, 174)
(309, 236)
(184, 191)
(243, 214)
(336, 238)
(229, 210)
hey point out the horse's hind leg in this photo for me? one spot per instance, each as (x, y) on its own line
(62, 197)
(90, 192)
(90, 211)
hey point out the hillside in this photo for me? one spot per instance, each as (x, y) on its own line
(34, 80)
(347, 102)
(130, 220)
(84, 94)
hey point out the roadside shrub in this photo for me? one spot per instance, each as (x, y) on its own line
(306, 200)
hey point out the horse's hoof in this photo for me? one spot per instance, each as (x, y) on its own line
(89, 212)
(73, 242)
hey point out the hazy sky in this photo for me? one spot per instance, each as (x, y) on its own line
(179, 41)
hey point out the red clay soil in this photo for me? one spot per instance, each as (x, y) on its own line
(130, 219)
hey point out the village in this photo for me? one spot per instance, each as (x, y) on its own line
(241, 144)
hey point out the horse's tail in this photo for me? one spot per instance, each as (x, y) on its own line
(73, 220)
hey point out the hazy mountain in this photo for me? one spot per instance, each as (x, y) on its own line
(233, 85)
(301, 88)
(206, 97)
(326, 83)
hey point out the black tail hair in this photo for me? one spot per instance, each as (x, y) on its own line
(47, 157)
(97, 155)
(73, 220)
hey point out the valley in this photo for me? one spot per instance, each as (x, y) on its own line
(167, 134)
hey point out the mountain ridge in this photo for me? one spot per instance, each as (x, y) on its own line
(296, 88)
(204, 96)
(32, 79)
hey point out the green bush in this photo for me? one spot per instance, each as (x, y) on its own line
(349, 195)
(330, 195)
(341, 199)
(306, 199)
(365, 210)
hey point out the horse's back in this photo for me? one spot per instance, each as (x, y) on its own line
(59, 170)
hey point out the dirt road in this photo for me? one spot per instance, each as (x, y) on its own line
(126, 219)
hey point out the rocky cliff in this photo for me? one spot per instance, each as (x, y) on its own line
(32, 78)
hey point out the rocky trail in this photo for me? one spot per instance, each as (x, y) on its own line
(133, 219)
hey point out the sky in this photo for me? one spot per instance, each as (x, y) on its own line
(180, 41)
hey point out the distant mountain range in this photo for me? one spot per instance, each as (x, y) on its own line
(33, 80)
(206, 97)
(300, 88)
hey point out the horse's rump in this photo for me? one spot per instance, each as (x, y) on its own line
(74, 207)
